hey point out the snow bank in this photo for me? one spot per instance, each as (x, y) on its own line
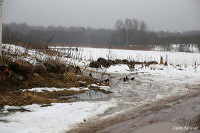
(31, 55)
(43, 89)
(53, 119)
(54, 89)
(118, 69)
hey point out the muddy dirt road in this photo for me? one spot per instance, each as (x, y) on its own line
(176, 114)
(149, 99)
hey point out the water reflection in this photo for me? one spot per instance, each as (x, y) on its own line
(89, 96)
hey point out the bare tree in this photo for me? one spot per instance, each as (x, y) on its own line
(128, 26)
(49, 40)
(119, 27)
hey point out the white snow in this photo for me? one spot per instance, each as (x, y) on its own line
(175, 58)
(106, 88)
(118, 69)
(193, 48)
(32, 55)
(94, 85)
(52, 119)
(43, 89)
(55, 89)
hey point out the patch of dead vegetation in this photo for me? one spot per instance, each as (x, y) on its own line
(196, 122)
(12, 95)
(25, 54)
(88, 80)
(49, 52)
(23, 75)
(55, 66)
(18, 110)
(14, 81)
(22, 67)
(14, 98)
(101, 62)
(40, 69)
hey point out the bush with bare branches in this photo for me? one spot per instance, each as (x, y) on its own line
(55, 66)
(40, 69)
(22, 67)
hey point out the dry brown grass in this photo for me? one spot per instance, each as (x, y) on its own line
(65, 80)
(49, 52)
(25, 54)
(136, 47)
(40, 69)
(26, 98)
(69, 77)
(22, 67)
(41, 45)
(55, 66)
(11, 94)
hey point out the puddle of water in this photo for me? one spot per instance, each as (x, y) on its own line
(88, 96)
(144, 89)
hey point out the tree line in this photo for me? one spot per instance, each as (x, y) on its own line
(125, 32)
(132, 32)
(38, 34)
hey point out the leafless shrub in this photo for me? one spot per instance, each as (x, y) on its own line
(85, 68)
(102, 74)
(95, 64)
(40, 69)
(22, 67)
(55, 66)
(73, 69)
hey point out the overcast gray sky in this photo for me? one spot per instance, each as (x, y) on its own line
(171, 15)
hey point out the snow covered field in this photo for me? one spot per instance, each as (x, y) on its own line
(174, 58)
(177, 47)
(84, 55)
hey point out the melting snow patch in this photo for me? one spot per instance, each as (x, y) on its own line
(54, 89)
(118, 69)
(106, 88)
(52, 119)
